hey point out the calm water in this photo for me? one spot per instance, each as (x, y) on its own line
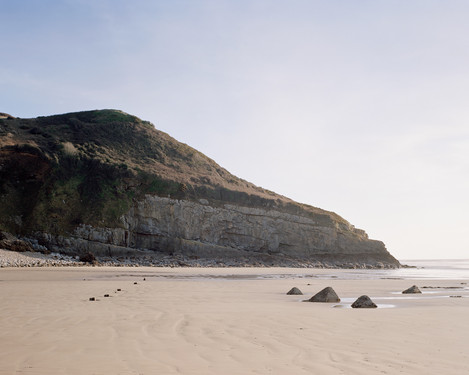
(437, 268)
(425, 269)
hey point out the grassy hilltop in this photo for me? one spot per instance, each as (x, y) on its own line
(57, 172)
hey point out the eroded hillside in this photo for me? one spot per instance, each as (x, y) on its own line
(60, 174)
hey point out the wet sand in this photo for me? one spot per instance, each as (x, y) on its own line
(225, 321)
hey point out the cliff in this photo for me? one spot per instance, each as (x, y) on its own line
(108, 182)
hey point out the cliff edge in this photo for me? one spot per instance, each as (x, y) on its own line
(109, 183)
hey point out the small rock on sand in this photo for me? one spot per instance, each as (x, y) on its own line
(294, 291)
(364, 302)
(412, 290)
(326, 295)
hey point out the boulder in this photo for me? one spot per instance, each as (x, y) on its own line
(6, 236)
(364, 302)
(10, 242)
(88, 258)
(295, 291)
(326, 295)
(412, 290)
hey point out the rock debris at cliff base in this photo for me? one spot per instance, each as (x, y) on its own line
(34, 259)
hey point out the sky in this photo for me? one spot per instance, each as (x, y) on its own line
(358, 107)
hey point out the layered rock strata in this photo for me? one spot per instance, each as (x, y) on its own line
(230, 232)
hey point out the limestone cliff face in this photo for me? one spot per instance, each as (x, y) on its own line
(203, 230)
(107, 182)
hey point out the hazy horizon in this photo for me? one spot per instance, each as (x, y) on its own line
(355, 107)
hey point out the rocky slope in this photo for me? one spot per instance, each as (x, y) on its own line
(110, 183)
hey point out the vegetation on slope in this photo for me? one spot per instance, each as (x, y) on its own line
(57, 172)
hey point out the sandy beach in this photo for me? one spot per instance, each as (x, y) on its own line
(225, 321)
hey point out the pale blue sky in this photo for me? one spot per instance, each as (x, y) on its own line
(358, 107)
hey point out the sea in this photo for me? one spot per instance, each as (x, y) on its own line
(450, 269)
(440, 269)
